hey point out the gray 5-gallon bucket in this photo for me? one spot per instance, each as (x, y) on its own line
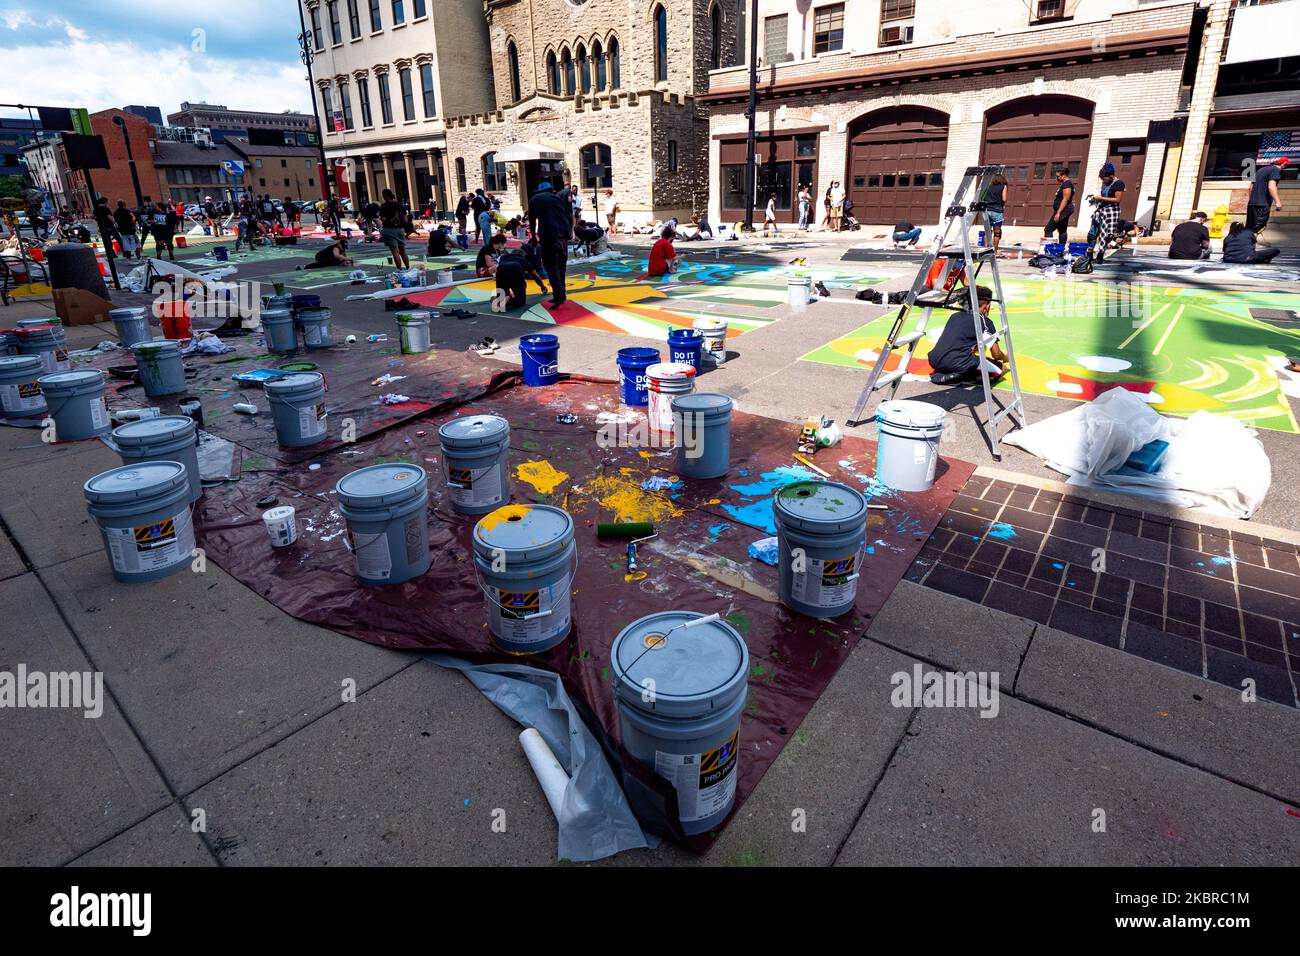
(386, 507)
(161, 370)
(703, 429)
(144, 516)
(821, 529)
(132, 325)
(165, 438)
(20, 393)
(315, 325)
(475, 450)
(525, 558)
(281, 336)
(298, 405)
(49, 342)
(680, 693)
(76, 403)
(908, 433)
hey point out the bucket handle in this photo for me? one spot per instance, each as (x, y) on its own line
(573, 576)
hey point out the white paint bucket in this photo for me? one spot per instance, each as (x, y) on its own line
(715, 338)
(908, 433)
(797, 287)
(664, 382)
(281, 526)
(442, 277)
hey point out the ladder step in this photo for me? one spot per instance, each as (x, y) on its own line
(1010, 409)
(988, 340)
(908, 338)
(890, 378)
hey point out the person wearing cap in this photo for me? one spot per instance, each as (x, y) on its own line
(550, 219)
(1263, 195)
(212, 216)
(1062, 207)
(957, 356)
(1105, 211)
(1190, 240)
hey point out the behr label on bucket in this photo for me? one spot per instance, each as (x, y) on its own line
(474, 486)
(705, 782)
(151, 547)
(312, 420)
(531, 617)
(827, 583)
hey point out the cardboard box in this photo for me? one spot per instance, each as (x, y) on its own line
(79, 307)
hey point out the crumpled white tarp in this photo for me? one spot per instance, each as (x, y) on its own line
(1213, 462)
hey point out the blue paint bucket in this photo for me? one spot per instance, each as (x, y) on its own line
(315, 325)
(680, 693)
(20, 393)
(161, 369)
(386, 507)
(687, 347)
(143, 513)
(1078, 248)
(165, 438)
(1053, 249)
(475, 453)
(525, 555)
(132, 325)
(821, 531)
(298, 406)
(541, 359)
(702, 426)
(281, 334)
(908, 435)
(221, 253)
(76, 403)
(632, 379)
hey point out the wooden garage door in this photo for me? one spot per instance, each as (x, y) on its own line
(1031, 136)
(896, 162)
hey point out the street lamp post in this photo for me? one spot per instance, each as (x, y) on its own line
(327, 180)
(130, 161)
(751, 174)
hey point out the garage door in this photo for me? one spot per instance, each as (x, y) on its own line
(1031, 136)
(896, 161)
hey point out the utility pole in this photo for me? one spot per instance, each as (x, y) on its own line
(751, 174)
(305, 41)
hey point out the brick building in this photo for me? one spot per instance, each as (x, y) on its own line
(191, 172)
(49, 164)
(282, 171)
(600, 93)
(894, 98)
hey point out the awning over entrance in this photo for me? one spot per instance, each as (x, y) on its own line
(522, 152)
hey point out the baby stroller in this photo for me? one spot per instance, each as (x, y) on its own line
(850, 221)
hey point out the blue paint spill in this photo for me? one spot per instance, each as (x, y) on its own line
(1071, 584)
(1059, 567)
(1000, 529)
(1223, 561)
(757, 515)
(871, 549)
(717, 529)
(772, 480)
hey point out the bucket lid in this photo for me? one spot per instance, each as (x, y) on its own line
(23, 331)
(295, 383)
(73, 379)
(17, 364)
(127, 312)
(412, 318)
(473, 431)
(376, 486)
(670, 370)
(277, 315)
(31, 323)
(523, 532)
(695, 670)
(820, 506)
(147, 479)
(157, 346)
(706, 403)
(148, 431)
(907, 413)
(707, 323)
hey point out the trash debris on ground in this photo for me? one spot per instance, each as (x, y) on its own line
(657, 483)
(765, 550)
(394, 398)
(387, 379)
(566, 419)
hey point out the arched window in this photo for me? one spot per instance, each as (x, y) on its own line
(494, 174)
(661, 44)
(615, 65)
(553, 74)
(584, 73)
(512, 57)
(597, 166)
(569, 85)
(461, 184)
(602, 74)
(715, 37)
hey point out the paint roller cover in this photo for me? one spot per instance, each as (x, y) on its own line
(624, 530)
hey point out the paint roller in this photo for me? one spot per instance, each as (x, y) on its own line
(550, 774)
(633, 532)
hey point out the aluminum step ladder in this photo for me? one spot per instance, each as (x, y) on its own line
(961, 262)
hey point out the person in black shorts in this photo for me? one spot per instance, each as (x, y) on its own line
(1263, 195)
(1062, 207)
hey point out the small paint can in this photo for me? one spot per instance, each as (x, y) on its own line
(475, 458)
(632, 365)
(315, 324)
(20, 391)
(821, 532)
(281, 526)
(192, 407)
(297, 403)
(702, 426)
(143, 514)
(162, 438)
(281, 335)
(798, 289)
(908, 433)
(680, 693)
(161, 370)
(715, 338)
(540, 357)
(386, 507)
(664, 382)
(413, 328)
(76, 403)
(525, 555)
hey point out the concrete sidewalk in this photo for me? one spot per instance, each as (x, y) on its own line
(221, 706)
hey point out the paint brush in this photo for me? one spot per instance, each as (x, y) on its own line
(804, 461)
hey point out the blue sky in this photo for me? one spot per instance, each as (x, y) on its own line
(240, 53)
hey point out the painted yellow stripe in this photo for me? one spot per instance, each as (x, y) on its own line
(1142, 328)
(1168, 329)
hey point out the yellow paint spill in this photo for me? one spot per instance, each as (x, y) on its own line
(715, 501)
(625, 499)
(506, 513)
(542, 475)
(635, 576)
(645, 454)
(874, 520)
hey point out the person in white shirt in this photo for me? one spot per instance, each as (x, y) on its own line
(837, 206)
(769, 216)
(610, 208)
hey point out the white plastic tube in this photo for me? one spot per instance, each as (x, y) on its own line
(554, 781)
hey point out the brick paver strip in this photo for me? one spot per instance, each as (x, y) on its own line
(1220, 604)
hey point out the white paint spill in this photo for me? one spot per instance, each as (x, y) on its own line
(1104, 363)
(1070, 388)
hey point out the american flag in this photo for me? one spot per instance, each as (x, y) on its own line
(1278, 143)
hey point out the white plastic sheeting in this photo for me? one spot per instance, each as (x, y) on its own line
(1213, 462)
